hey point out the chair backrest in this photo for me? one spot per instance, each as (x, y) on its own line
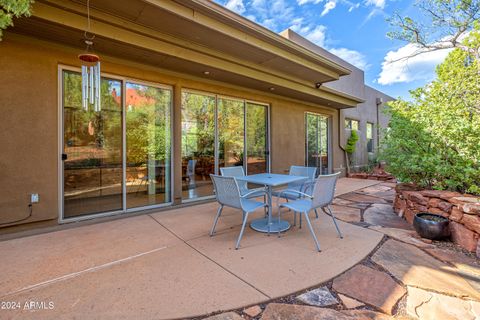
(303, 172)
(324, 190)
(191, 167)
(236, 171)
(226, 191)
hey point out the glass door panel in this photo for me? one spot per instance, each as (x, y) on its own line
(317, 142)
(257, 141)
(198, 144)
(230, 132)
(92, 143)
(312, 143)
(148, 145)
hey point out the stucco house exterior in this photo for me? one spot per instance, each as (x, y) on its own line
(187, 87)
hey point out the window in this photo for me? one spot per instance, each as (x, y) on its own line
(369, 137)
(351, 124)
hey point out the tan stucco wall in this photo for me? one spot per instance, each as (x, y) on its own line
(29, 156)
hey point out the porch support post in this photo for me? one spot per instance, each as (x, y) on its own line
(177, 144)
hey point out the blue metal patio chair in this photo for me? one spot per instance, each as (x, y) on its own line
(237, 171)
(321, 197)
(291, 192)
(227, 192)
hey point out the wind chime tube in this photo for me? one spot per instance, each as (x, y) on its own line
(91, 96)
(94, 84)
(98, 87)
(84, 88)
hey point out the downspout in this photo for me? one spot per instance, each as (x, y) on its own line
(379, 102)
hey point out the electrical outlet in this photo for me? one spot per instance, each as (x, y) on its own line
(34, 198)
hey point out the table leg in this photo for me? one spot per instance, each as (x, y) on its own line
(269, 188)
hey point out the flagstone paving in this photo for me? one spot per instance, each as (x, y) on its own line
(407, 276)
(413, 267)
(370, 286)
(321, 297)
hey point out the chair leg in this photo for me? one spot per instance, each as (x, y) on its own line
(294, 218)
(335, 222)
(300, 220)
(311, 231)
(265, 211)
(219, 212)
(279, 218)
(316, 213)
(245, 214)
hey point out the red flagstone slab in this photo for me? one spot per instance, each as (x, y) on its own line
(278, 311)
(370, 286)
(413, 267)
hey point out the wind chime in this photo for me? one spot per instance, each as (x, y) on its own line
(91, 80)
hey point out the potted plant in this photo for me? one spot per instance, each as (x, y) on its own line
(431, 226)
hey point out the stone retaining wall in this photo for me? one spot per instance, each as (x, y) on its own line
(462, 210)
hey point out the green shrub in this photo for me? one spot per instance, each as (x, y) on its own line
(434, 139)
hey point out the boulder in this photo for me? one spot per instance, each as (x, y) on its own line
(445, 195)
(463, 237)
(444, 206)
(433, 202)
(471, 208)
(417, 197)
(471, 222)
(456, 214)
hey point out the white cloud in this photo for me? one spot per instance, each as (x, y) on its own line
(396, 68)
(353, 6)
(330, 5)
(236, 5)
(302, 2)
(351, 56)
(377, 3)
(316, 35)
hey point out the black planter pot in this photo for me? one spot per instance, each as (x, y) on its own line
(431, 229)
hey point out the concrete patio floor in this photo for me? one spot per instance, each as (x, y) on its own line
(164, 265)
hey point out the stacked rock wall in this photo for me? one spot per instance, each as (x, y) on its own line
(462, 210)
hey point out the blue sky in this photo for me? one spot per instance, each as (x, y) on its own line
(355, 31)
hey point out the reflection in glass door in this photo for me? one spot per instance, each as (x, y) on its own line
(148, 145)
(257, 138)
(99, 175)
(198, 144)
(317, 142)
(220, 132)
(92, 148)
(230, 132)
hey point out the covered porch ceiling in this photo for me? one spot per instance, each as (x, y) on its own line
(192, 37)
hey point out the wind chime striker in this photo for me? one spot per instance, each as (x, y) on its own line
(91, 80)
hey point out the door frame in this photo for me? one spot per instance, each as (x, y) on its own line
(60, 132)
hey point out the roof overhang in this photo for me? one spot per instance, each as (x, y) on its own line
(192, 37)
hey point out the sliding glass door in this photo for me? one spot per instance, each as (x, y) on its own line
(256, 138)
(92, 150)
(148, 145)
(220, 132)
(117, 158)
(198, 144)
(317, 142)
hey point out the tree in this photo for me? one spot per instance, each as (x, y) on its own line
(434, 140)
(350, 148)
(13, 8)
(446, 23)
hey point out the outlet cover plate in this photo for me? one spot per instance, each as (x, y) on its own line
(34, 198)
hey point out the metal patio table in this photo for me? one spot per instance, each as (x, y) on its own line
(270, 180)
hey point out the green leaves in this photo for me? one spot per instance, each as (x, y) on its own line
(10, 9)
(434, 140)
